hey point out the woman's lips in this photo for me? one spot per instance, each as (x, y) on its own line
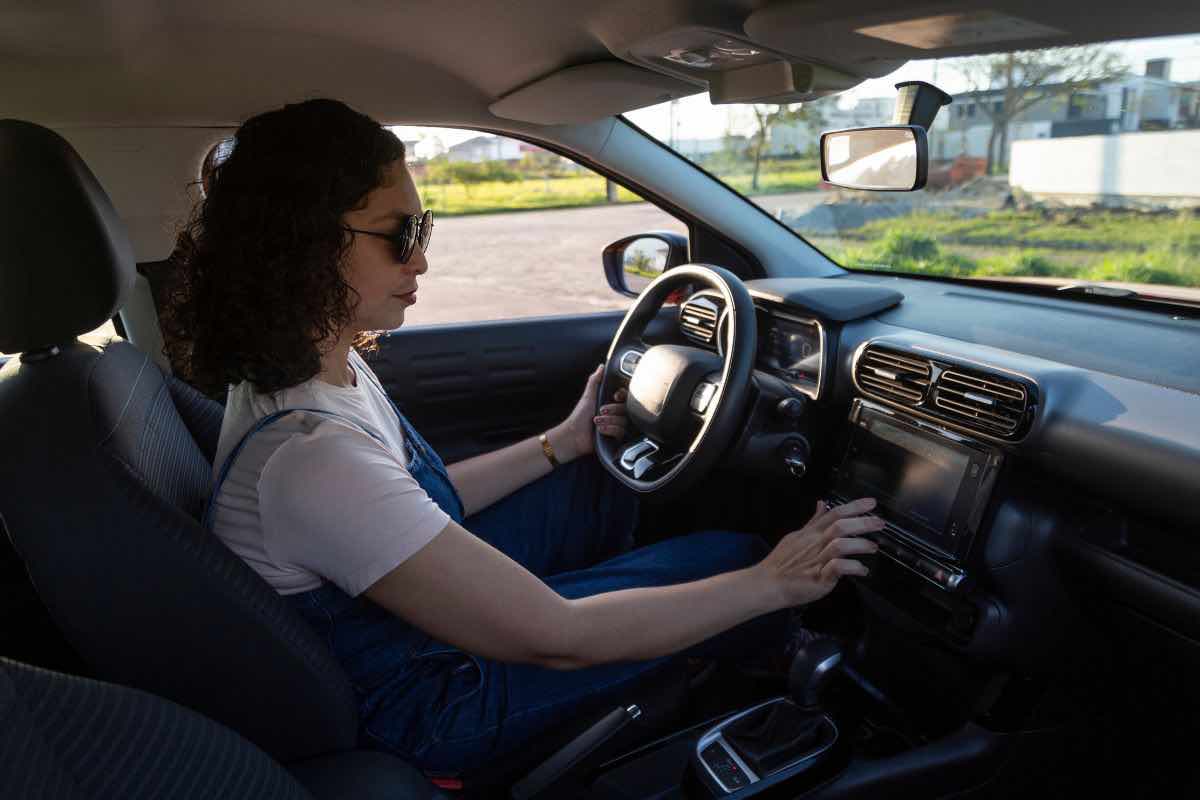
(410, 297)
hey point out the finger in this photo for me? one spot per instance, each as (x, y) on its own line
(596, 373)
(851, 509)
(615, 431)
(613, 410)
(854, 526)
(620, 395)
(820, 512)
(840, 567)
(854, 546)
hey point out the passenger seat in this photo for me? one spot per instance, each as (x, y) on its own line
(64, 737)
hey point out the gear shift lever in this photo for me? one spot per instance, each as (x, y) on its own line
(782, 733)
(812, 669)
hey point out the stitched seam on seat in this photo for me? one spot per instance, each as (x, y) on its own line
(128, 399)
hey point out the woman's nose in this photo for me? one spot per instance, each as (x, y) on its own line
(418, 262)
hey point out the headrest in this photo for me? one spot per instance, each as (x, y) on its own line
(66, 264)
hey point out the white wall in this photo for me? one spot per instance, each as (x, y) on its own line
(1162, 164)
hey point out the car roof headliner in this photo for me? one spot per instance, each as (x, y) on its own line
(140, 62)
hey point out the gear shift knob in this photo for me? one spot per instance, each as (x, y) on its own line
(811, 670)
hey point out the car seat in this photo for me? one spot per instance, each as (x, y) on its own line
(103, 483)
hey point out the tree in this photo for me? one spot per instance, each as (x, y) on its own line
(1023, 79)
(767, 117)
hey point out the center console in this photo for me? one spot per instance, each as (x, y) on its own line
(932, 486)
(909, 711)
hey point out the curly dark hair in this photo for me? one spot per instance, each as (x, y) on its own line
(259, 284)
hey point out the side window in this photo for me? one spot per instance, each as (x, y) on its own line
(518, 230)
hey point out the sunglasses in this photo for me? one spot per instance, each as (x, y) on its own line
(413, 231)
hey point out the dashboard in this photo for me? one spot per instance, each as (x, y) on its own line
(1010, 439)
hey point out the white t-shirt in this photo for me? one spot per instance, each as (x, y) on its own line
(311, 498)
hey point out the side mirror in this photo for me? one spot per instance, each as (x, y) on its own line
(631, 263)
(887, 158)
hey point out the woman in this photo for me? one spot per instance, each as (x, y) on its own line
(472, 605)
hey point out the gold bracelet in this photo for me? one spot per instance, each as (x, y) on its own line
(548, 450)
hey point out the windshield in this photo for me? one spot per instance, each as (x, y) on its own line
(1056, 166)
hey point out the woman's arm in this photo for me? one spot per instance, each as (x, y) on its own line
(484, 479)
(462, 591)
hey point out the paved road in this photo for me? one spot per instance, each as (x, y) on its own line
(535, 262)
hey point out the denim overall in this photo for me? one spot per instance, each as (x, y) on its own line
(450, 712)
(381, 653)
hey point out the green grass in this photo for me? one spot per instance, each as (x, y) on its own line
(1078, 245)
(488, 197)
(494, 196)
(776, 180)
(1065, 229)
(905, 251)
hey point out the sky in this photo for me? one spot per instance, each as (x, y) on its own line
(696, 118)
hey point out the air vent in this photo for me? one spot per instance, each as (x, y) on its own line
(698, 319)
(982, 401)
(899, 377)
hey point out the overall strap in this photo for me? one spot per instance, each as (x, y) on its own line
(429, 455)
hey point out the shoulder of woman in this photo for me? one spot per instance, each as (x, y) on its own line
(327, 439)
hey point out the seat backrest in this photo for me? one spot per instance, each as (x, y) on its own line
(65, 737)
(102, 483)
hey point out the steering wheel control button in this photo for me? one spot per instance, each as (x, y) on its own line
(635, 452)
(702, 396)
(643, 465)
(629, 362)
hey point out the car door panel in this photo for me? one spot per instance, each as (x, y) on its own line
(473, 387)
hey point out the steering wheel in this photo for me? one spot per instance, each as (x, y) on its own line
(685, 404)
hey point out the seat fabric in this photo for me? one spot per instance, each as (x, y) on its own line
(104, 486)
(66, 737)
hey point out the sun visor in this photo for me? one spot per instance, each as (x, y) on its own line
(589, 92)
(736, 69)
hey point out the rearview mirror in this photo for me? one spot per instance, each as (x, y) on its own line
(631, 263)
(888, 158)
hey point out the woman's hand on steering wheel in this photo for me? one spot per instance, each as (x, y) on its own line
(609, 420)
(806, 564)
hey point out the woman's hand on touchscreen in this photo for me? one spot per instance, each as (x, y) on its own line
(807, 563)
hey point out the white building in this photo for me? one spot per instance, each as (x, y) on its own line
(487, 148)
(1147, 102)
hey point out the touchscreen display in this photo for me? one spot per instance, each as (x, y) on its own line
(909, 473)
